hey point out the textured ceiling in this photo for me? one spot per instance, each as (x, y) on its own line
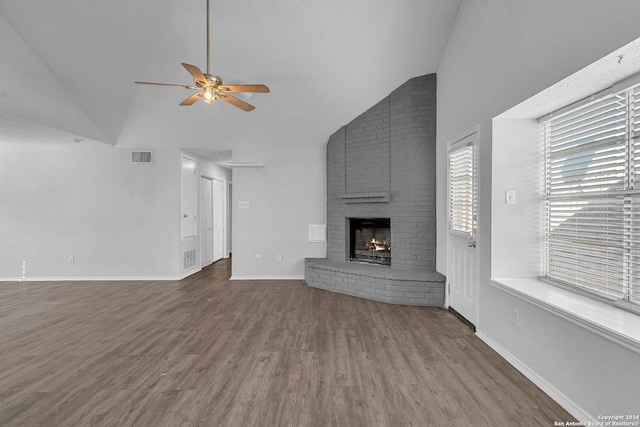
(608, 72)
(70, 65)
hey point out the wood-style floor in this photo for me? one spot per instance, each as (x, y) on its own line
(205, 351)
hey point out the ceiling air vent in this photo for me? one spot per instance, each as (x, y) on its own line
(141, 157)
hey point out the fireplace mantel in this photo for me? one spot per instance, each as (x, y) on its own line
(378, 197)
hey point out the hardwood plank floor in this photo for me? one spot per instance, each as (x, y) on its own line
(205, 351)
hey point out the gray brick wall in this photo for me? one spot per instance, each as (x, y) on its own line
(389, 148)
(336, 183)
(367, 151)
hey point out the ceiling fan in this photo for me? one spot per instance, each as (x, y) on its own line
(209, 87)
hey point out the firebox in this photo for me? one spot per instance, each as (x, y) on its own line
(370, 240)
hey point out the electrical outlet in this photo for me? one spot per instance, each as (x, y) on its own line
(516, 317)
(72, 259)
(278, 258)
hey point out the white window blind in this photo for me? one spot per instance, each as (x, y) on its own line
(461, 191)
(592, 205)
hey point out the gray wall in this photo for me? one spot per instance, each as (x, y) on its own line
(389, 148)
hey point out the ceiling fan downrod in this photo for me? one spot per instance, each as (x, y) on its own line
(208, 37)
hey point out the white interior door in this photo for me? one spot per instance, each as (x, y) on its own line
(206, 221)
(219, 209)
(462, 258)
(189, 194)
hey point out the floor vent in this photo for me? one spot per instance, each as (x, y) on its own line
(189, 259)
(141, 157)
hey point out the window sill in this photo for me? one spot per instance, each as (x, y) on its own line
(603, 319)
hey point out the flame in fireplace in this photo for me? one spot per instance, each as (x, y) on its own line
(377, 245)
(370, 240)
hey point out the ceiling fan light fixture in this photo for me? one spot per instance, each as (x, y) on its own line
(208, 87)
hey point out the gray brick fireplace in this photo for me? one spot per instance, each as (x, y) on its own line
(382, 166)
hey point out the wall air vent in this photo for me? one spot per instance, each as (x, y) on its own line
(189, 259)
(141, 157)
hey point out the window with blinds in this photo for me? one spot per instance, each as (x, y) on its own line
(592, 197)
(461, 191)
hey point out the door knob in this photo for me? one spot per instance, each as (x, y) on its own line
(471, 243)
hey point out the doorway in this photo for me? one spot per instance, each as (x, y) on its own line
(206, 221)
(212, 214)
(462, 257)
(189, 184)
(219, 209)
(229, 247)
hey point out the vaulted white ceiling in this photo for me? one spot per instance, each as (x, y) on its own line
(69, 66)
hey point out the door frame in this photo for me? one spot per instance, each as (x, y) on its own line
(222, 211)
(195, 186)
(229, 224)
(203, 218)
(473, 133)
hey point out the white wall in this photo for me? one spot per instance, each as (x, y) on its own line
(516, 244)
(87, 200)
(585, 372)
(212, 170)
(29, 90)
(500, 53)
(283, 201)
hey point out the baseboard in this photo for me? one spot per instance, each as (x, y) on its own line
(292, 277)
(190, 272)
(544, 385)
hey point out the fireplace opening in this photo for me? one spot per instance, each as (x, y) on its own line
(370, 240)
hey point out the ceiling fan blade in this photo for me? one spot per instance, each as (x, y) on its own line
(196, 73)
(235, 101)
(244, 88)
(165, 84)
(190, 100)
